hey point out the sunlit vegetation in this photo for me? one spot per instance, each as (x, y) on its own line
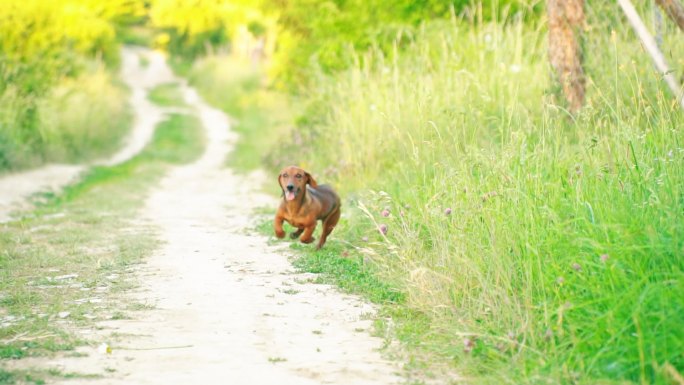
(47, 51)
(537, 246)
(192, 28)
(326, 41)
(521, 244)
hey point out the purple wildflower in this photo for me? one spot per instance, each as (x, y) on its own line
(468, 345)
(383, 229)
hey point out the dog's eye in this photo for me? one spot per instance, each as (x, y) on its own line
(285, 175)
(299, 176)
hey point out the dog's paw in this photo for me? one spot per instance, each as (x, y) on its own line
(280, 234)
(295, 234)
(308, 240)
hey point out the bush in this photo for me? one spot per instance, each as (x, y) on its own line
(80, 119)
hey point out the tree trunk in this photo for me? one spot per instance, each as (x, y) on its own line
(675, 10)
(566, 19)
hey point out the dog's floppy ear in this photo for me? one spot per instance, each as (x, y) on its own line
(311, 181)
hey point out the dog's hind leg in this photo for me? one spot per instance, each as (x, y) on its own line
(328, 226)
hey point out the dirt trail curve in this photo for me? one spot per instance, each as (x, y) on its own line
(16, 189)
(228, 308)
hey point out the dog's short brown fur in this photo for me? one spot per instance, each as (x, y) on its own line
(304, 203)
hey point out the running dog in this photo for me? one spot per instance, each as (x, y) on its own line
(304, 203)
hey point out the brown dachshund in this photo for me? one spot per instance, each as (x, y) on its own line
(304, 203)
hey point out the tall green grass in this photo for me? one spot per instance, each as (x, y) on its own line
(523, 244)
(533, 246)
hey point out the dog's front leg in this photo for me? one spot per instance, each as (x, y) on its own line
(278, 226)
(308, 232)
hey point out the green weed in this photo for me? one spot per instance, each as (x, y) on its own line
(11, 352)
(6, 378)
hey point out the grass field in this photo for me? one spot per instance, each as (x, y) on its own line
(522, 244)
(63, 265)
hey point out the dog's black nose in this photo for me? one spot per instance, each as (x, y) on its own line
(290, 187)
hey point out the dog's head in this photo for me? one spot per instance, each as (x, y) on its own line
(293, 181)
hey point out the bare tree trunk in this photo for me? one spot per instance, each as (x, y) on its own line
(675, 10)
(566, 19)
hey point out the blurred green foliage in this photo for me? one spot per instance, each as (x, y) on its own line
(193, 28)
(44, 45)
(340, 26)
(190, 27)
(42, 41)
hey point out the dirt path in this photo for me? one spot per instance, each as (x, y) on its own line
(228, 308)
(140, 76)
